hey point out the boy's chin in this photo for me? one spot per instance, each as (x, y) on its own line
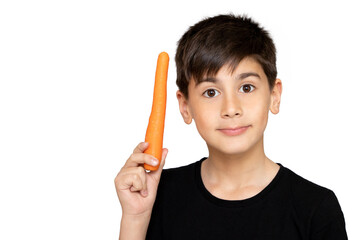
(232, 149)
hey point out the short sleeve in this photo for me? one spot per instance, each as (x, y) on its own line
(328, 220)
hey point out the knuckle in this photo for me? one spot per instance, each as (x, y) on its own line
(118, 177)
(140, 170)
(135, 177)
(132, 156)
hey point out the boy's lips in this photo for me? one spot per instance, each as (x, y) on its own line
(233, 131)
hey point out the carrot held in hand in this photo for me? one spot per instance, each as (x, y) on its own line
(155, 129)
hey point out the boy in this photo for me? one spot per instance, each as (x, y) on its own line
(226, 74)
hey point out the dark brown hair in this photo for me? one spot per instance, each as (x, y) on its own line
(222, 40)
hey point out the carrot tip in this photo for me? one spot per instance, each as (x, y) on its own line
(164, 54)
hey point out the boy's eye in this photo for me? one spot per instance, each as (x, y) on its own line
(210, 93)
(247, 88)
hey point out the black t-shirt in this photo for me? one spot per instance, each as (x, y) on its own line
(290, 208)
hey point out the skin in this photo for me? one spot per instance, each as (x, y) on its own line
(237, 167)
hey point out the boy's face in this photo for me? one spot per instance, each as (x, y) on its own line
(240, 100)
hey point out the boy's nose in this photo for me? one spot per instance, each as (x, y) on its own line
(231, 107)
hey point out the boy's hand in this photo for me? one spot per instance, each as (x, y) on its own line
(136, 188)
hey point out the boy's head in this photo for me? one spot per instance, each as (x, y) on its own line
(226, 74)
(222, 40)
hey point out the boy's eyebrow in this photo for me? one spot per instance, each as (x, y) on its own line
(240, 77)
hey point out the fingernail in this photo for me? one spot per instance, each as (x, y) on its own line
(154, 162)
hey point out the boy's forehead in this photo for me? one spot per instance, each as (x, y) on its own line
(248, 67)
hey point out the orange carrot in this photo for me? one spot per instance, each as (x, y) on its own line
(155, 129)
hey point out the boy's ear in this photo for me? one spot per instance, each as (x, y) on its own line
(184, 107)
(276, 97)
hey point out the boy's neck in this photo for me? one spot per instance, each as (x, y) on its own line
(251, 168)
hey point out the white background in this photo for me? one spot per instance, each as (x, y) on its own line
(76, 81)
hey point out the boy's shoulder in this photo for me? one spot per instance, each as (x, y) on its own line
(181, 173)
(178, 182)
(313, 201)
(301, 187)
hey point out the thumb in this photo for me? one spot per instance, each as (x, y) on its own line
(156, 174)
(163, 157)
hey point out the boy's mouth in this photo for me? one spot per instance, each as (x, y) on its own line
(233, 131)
